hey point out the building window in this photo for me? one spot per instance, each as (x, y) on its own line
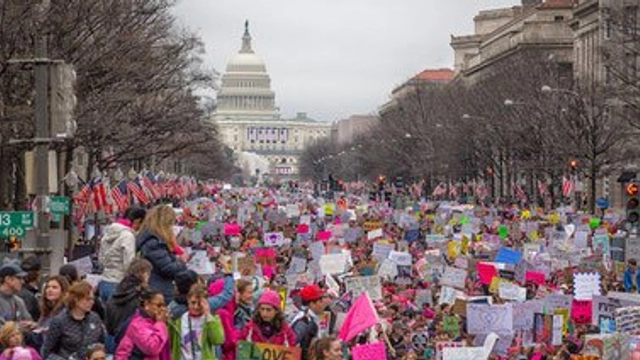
(558, 18)
(607, 25)
(629, 20)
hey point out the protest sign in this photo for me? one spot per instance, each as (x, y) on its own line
(360, 284)
(265, 256)
(435, 239)
(371, 225)
(424, 296)
(292, 210)
(273, 239)
(511, 291)
(586, 285)
(451, 325)
(462, 262)
(442, 345)
(374, 234)
(84, 265)
(331, 264)
(400, 258)
(317, 249)
(467, 353)
(523, 314)
(261, 351)
(632, 248)
(548, 329)
(508, 256)
(324, 235)
(352, 235)
(607, 346)
(246, 265)
(231, 229)
(297, 265)
(370, 351)
(381, 251)
(553, 302)
(628, 320)
(454, 277)
(388, 269)
(200, 263)
(581, 311)
(482, 319)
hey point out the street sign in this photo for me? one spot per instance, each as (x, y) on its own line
(15, 223)
(603, 203)
(60, 205)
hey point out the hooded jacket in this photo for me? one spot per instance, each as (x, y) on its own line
(149, 336)
(122, 304)
(253, 333)
(165, 264)
(117, 250)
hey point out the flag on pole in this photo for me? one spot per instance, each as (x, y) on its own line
(519, 192)
(542, 188)
(138, 192)
(120, 195)
(360, 317)
(440, 190)
(567, 187)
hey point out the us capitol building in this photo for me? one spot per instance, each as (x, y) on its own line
(249, 121)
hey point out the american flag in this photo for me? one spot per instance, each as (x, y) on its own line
(567, 186)
(99, 194)
(136, 190)
(150, 187)
(453, 190)
(481, 190)
(440, 190)
(120, 195)
(84, 193)
(519, 192)
(542, 188)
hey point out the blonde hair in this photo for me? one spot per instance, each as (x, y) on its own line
(159, 221)
(7, 331)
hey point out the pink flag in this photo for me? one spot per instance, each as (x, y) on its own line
(360, 317)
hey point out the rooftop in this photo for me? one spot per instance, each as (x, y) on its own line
(435, 75)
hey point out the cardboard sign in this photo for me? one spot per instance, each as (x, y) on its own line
(262, 351)
(200, 263)
(246, 266)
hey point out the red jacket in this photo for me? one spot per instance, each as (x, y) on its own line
(285, 337)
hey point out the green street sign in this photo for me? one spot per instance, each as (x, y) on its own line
(60, 205)
(16, 223)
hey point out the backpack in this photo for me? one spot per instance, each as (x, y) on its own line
(136, 354)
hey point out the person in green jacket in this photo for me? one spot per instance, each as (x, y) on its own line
(195, 334)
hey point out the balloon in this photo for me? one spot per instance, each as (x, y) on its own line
(594, 223)
(464, 220)
(554, 218)
(503, 231)
(526, 214)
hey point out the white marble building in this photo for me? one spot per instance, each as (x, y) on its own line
(250, 122)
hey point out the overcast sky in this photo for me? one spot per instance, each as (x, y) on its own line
(335, 58)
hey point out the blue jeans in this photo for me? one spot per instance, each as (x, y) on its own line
(105, 290)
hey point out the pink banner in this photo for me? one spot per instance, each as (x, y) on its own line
(536, 277)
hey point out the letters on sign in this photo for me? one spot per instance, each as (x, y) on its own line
(262, 351)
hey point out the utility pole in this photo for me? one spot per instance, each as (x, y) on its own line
(42, 127)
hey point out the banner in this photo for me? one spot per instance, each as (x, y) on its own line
(262, 351)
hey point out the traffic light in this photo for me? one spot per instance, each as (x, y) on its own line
(633, 203)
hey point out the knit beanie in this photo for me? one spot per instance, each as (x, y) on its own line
(272, 298)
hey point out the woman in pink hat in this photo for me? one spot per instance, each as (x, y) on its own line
(268, 324)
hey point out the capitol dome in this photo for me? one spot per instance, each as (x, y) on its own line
(245, 89)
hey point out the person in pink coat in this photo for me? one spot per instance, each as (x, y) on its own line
(147, 336)
(226, 318)
(268, 324)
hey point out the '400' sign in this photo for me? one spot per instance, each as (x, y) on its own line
(261, 351)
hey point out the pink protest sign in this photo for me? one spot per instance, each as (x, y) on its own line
(324, 235)
(231, 229)
(265, 256)
(486, 272)
(303, 229)
(581, 311)
(536, 277)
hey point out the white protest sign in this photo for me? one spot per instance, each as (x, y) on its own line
(273, 239)
(511, 291)
(448, 295)
(388, 269)
(331, 264)
(454, 277)
(381, 251)
(305, 219)
(461, 262)
(83, 265)
(469, 353)
(580, 239)
(297, 265)
(292, 210)
(586, 285)
(524, 313)
(632, 248)
(360, 284)
(200, 263)
(374, 234)
(317, 249)
(400, 258)
(482, 318)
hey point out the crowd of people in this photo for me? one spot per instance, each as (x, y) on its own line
(256, 273)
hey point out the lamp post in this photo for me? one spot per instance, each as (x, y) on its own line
(587, 112)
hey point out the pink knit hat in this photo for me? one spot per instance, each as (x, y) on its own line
(272, 298)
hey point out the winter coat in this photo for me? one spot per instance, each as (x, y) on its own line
(149, 336)
(69, 337)
(212, 335)
(231, 334)
(122, 304)
(306, 328)
(241, 316)
(285, 336)
(629, 281)
(117, 250)
(165, 264)
(23, 352)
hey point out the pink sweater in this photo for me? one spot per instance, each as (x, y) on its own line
(149, 336)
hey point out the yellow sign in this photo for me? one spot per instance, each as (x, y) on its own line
(372, 225)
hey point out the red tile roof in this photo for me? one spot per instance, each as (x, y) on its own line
(435, 75)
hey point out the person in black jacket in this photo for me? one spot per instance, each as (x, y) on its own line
(306, 324)
(157, 243)
(124, 302)
(31, 289)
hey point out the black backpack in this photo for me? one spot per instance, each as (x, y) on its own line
(136, 354)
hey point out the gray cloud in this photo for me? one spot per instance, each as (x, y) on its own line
(335, 58)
